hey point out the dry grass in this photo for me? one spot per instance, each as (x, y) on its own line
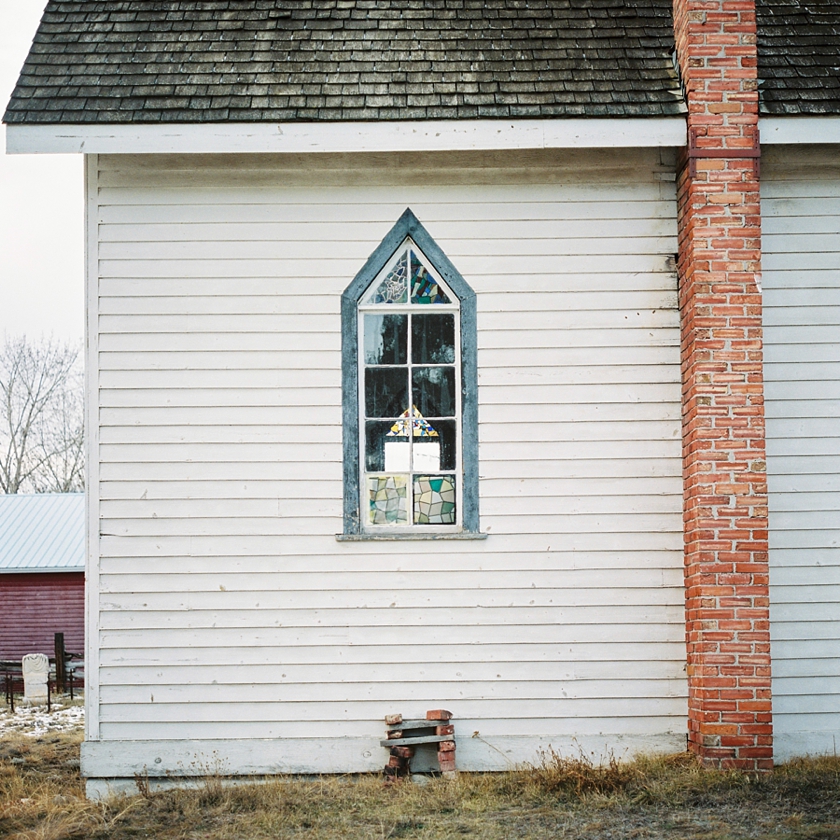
(42, 798)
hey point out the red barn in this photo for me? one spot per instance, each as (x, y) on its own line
(42, 578)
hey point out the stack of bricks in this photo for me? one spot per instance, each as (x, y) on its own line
(725, 491)
(403, 737)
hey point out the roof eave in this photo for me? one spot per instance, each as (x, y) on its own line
(326, 137)
(799, 128)
(53, 570)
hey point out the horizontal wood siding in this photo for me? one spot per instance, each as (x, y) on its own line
(801, 234)
(227, 607)
(34, 607)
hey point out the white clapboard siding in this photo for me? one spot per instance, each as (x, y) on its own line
(308, 546)
(571, 557)
(253, 614)
(801, 245)
(132, 663)
(550, 671)
(225, 607)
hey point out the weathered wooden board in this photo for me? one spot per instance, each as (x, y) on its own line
(584, 658)
(418, 739)
(311, 715)
(551, 669)
(261, 753)
(434, 636)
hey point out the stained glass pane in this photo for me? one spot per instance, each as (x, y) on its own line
(394, 288)
(434, 500)
(386, 391)
(424, 286)
(387, 494)
(412, 418)
(386, 339)
(433, 391)
(433, 339)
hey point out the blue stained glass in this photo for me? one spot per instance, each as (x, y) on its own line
(424, 287)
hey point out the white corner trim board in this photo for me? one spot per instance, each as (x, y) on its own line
(799, 129)
(440, 135)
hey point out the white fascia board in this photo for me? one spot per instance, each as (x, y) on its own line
(441, 135)
(799, 129)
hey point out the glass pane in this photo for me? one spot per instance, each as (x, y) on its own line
(425, 454)
(385, 339)
(386, 391)
(434, 500)
(394, 288)
(388, 499)
(424, 287)
(433, 391)
(433, 339)
(447, 433)
(376, 435)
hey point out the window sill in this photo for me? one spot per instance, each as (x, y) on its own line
(463, 535)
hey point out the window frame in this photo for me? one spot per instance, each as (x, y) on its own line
(408, 226)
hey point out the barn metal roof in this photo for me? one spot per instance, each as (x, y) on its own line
(42, 533)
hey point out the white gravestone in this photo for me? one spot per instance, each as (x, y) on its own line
(36, 672)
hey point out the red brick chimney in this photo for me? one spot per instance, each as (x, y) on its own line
(725, 489)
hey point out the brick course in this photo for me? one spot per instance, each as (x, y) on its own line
(725, 490)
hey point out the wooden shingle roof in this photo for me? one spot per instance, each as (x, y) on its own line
(799, 56)
(326, 60)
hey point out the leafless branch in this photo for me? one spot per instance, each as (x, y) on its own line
(41, 418)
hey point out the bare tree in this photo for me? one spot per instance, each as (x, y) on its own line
(41, 417)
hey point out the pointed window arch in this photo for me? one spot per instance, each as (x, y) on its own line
(410, 392)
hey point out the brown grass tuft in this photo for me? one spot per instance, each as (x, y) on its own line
(579, 775)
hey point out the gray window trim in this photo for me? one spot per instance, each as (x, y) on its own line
(409, 225)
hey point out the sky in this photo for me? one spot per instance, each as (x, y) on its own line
(41, 213)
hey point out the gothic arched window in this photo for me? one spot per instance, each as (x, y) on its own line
(410, 413)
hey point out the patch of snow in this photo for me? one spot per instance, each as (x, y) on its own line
(36, 720)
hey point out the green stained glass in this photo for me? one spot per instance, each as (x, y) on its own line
(394, 288)
(424, 287)
(434, 500)
(388, 495)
